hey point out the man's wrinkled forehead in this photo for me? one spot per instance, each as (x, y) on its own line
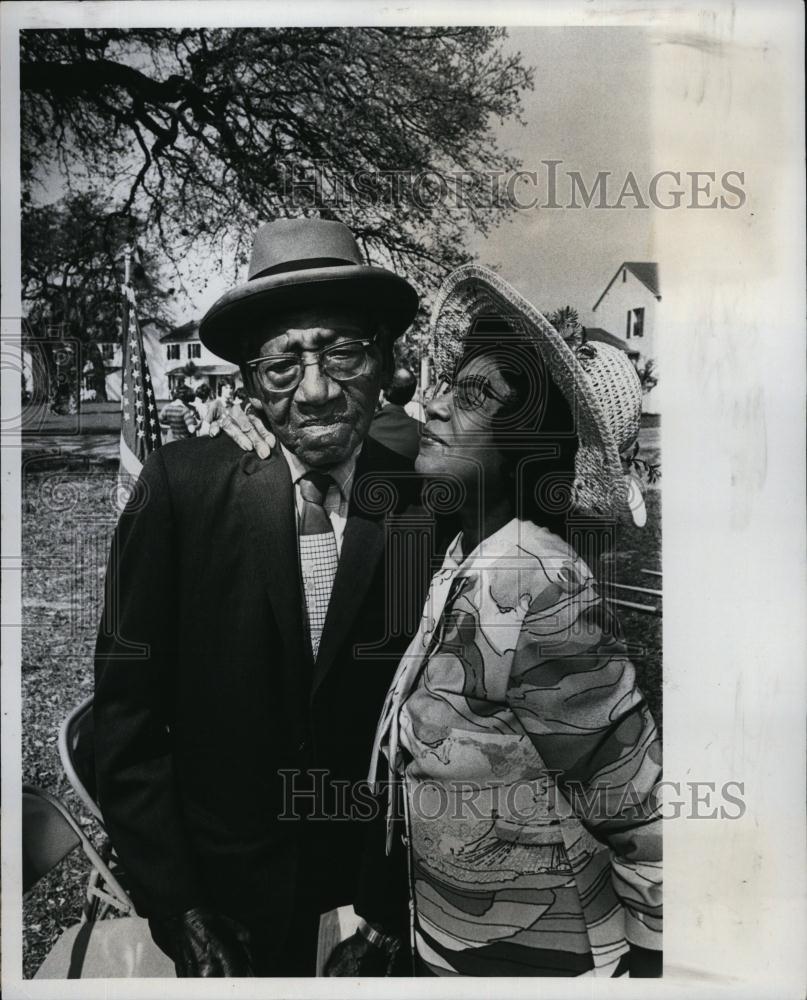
(317, 326)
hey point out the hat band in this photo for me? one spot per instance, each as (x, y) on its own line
(303, 265)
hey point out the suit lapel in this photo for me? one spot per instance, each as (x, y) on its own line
(267, 510)
(362, 547)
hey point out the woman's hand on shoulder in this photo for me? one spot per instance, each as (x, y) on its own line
(246, 429)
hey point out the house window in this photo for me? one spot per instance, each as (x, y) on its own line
(194, 350)
(635, 323)
(172, 351)
(624, 274)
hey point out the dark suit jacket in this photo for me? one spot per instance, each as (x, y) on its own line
(204, 694)
(395, 429)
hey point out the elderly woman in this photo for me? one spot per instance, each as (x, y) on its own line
(527, 755)
(521, 755)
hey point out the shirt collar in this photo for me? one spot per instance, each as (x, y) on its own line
(454, 557)
(488, 549)
(341, 474)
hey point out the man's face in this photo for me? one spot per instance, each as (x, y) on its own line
(226, 393)
(322, 420)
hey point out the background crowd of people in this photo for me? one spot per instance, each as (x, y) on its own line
(191, 411)
(395, 423)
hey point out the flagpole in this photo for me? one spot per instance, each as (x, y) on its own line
(127, 264)
(140, 432)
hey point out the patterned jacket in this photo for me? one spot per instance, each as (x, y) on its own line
(530, 761)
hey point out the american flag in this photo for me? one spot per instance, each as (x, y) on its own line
(140, 425)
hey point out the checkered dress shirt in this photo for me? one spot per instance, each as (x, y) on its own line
(319, 553)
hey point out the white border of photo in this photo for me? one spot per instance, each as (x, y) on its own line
(727, 92)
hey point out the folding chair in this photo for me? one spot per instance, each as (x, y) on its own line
(91, 948)
(77, 753)
(50, 833)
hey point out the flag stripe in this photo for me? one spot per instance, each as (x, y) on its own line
(128, 461)
(140, 426)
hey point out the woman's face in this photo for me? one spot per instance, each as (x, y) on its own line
(458, 439)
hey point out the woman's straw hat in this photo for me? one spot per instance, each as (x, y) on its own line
(598, 381)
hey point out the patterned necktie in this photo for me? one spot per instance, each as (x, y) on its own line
(318, 553)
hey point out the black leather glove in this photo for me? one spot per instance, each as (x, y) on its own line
(645, 963)
(202, 942)
(356, 957)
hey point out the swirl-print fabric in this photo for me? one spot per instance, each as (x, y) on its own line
(530, 761)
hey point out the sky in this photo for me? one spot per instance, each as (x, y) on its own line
(590, 110)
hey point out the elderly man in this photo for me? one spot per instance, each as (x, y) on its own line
(232, 726)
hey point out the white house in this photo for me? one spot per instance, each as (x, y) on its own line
(112, 355)
(169, 356)
(184, 358)
(628, 311)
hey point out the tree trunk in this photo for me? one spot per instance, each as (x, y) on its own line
(95, 358)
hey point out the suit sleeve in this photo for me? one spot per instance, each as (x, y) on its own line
(135, 658)
(574, 691)
(382, 889)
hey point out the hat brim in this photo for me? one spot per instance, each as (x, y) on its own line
(238, 313)
(472, 292)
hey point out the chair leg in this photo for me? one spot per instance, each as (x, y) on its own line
(92, 901)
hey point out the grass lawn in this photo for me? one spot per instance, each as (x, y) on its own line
(92, 418)
(638, 549)
(68, 518)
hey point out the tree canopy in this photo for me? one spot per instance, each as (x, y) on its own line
(72, 268)
(204, 132)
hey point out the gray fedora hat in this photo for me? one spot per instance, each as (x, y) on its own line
(302, 262)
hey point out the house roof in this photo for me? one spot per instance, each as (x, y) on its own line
(181, 334)
(645, 271)
(597, 333)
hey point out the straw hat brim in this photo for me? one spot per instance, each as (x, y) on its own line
(472, 292)
(234, 316)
